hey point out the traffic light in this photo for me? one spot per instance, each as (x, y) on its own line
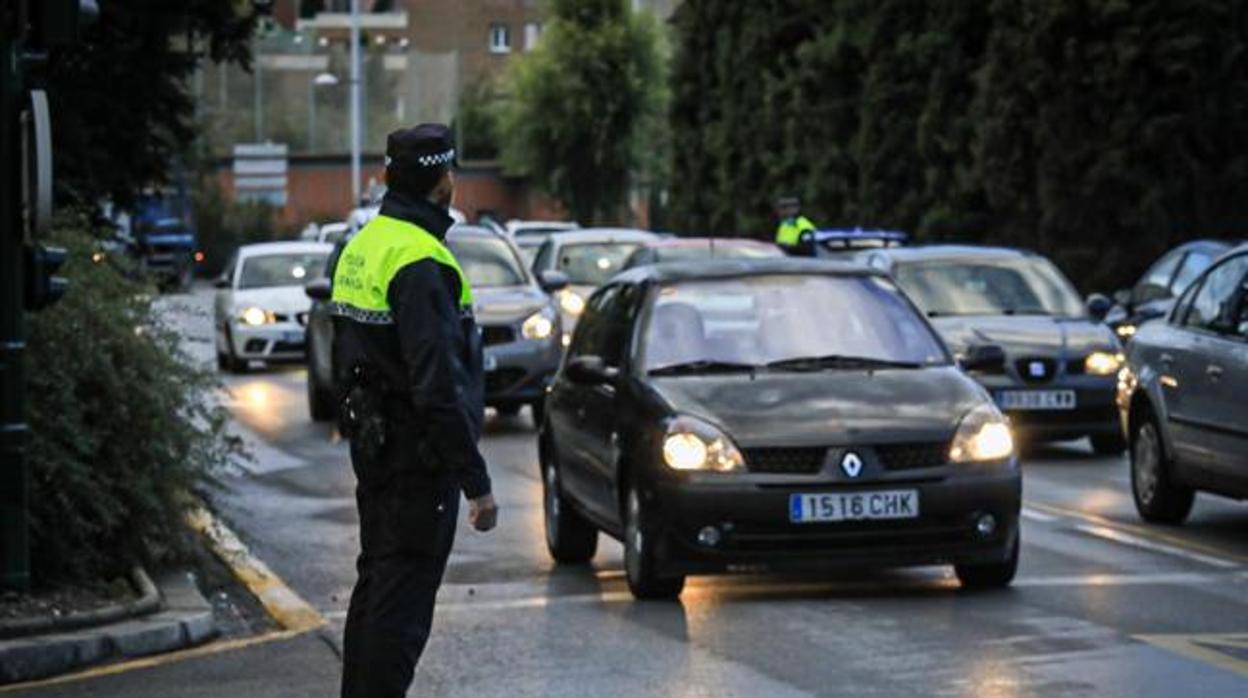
(43, 286)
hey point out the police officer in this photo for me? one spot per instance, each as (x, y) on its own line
(408, 364)
(795, 234)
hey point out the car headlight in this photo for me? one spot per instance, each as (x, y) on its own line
(256, 316)
(983, 435)
(1102, 363)
(571, 302)
(539, 325)
(1126, 331)
(692, 444)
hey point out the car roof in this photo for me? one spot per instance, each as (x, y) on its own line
(736, 268)
(601, 235)
(284, 247)
(465, 230)
(707, 241)
(950, 252)
(1213, 246)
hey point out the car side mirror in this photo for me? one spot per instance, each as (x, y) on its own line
(221, 282)
(319, 290)
(1122, 297)
(1098, 306)
(551, 280)
(983, 357)
(591, 370)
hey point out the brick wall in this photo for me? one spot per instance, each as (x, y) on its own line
(319, 189)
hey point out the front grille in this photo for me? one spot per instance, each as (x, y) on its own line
(497, 334)
(502, 380)
(790, 461)
(1027, 366)
(913, 456)
(283, 347)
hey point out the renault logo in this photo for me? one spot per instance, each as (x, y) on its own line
(1037, 369)
(851, 464)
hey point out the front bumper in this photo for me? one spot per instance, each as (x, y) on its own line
(275, 342)
(518, 372)
(1095, 412)
(756, 534)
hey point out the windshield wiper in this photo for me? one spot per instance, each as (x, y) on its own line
(703, 366)
(837, 361)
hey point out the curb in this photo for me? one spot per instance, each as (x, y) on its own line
(186, 620)
(283, 604)
(148, 602)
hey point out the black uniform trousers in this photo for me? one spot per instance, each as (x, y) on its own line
(407, 526)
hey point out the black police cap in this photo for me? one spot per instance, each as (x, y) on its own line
(426, 145)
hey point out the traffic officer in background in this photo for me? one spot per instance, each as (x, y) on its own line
(407, 356)
(795, 232)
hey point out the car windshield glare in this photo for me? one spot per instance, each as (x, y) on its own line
(270, 270)
(487, 262)
(593, 264)
(771, 319)
(1020, 286)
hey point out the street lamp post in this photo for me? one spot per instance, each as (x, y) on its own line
(355, 102)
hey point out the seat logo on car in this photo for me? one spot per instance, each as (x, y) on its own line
(851, 463)
(1036, 369)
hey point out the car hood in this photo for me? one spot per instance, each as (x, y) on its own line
(507, 303)
(827, 407)
(1026, 334)
(278, 299)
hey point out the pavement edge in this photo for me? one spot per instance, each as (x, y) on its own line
(286, 607)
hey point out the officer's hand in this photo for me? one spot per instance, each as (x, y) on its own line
(483, 512)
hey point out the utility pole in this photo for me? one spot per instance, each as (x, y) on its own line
(355, 103)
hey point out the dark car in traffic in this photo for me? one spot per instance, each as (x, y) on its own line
(1153, 295)
(518, 320)
(1183, 395)
(769, 414)
(1055, 362)
(700, 250)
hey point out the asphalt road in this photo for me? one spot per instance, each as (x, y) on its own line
(1103, 605)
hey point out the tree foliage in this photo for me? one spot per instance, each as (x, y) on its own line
(1068, 126)
(123, 426)
(582, 111)
(122, 108)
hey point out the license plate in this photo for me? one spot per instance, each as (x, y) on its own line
(853, 506)
(1036, 399)
(292, 337)
(491, 362)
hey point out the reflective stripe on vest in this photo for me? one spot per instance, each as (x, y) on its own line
(371, 260)
(790, 231)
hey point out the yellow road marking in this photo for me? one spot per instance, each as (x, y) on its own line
(1141, 531)
(155, 660)
(1226, 651)
(287, 607)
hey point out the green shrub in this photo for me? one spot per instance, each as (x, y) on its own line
(124, 426)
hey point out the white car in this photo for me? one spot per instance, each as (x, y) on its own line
(261, 310)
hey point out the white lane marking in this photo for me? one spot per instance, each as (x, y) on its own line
(1038, 516)
(762, 593)
(1146, 544)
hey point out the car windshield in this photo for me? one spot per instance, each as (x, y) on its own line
(683, 253)
(1016, 286)
(538, 230)
(593, 263)
(786, 320)
(287, 269)
(487, 261)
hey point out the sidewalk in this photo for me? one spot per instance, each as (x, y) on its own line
(172, 615)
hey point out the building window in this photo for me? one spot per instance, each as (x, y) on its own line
(500, 38)
(532, 32)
